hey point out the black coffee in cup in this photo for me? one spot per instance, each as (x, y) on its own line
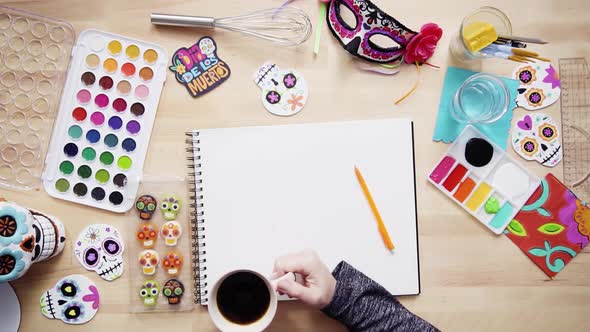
(243, 298)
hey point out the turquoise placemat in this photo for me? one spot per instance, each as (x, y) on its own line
(447, 128)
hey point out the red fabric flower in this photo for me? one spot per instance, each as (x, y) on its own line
(422, 46)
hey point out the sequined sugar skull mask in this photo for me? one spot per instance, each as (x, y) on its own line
(358, 37)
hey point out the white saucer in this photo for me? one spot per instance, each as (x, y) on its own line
(9, 309)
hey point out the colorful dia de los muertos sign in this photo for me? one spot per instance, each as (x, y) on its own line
(74, 299)
(360, 38)
(26, 237)
(99, 248)
(199, 68)
(284, 92)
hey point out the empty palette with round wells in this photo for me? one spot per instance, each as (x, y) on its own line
(33, 68)
(102, 131)
(478, 175)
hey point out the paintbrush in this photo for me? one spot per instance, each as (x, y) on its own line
(516, 51)
(503, 55)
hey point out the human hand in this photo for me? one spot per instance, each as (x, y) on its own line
(318, 283)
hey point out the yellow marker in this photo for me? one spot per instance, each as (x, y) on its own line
(115, 47)
(478, 35)
(478, 197)
(132, 52)
(382, 230)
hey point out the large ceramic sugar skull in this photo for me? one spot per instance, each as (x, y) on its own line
(50, 236)
(149, 260)
(147, 234)
(170, 207)
(99, 248)
(207, 46)
(146, 205)
(284, 92)
(536, 137)
(171, 231)
(172, 263)
(26, 237)
(539, 85)
(173, 290)
(149, 292)
(74, 299)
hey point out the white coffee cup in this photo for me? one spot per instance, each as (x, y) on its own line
(226, 325)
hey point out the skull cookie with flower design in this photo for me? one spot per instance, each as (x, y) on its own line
(284, 92)
(172, 263)
(171, 231)
(99, 248)
(536, 137)
(74, 299)
(149, 261)
(147, 234)
(26, 237)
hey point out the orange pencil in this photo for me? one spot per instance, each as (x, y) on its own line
(380, 224)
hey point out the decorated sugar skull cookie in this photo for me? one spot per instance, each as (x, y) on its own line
(146, 205)
(170, 207)
(171, 232)
(149, 293)
(26, 237)
(147, 234)
(149, 261)
(536, 137)
(539, 85)
(284, 92)
(172, 263)
(173, 290)
(99, 248)
(74, 299)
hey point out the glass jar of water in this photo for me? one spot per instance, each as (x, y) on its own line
(482, 98)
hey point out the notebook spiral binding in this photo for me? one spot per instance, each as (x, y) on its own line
(197, 213)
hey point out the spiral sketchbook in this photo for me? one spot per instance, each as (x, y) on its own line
(262, 192)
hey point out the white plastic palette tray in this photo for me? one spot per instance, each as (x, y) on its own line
(105, 120)
(476, 174)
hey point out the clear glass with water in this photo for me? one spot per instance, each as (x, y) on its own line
(482, 98)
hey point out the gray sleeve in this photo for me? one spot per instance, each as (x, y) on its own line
(363, 305)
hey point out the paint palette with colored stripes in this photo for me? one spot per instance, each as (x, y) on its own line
(483, 179)
(104, 123)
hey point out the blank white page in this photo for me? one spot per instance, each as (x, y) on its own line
(268, 191)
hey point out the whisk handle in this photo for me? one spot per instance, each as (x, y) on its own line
(183, 20)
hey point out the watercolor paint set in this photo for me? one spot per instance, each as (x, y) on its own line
(483, 179)
(105, 119)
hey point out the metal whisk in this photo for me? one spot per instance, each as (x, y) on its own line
(285, 26)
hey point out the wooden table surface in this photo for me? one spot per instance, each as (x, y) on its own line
(471, 279)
